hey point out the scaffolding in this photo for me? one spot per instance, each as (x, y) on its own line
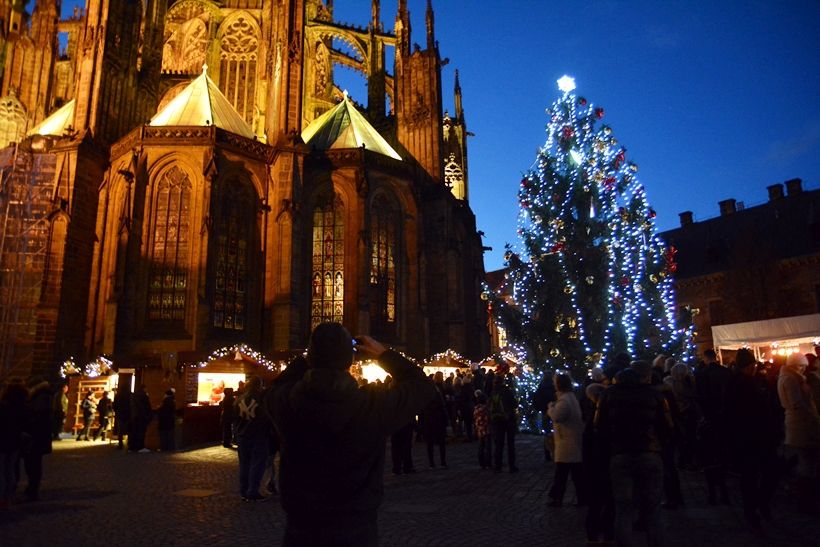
(26, 188)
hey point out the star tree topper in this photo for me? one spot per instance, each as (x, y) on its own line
(566, 83)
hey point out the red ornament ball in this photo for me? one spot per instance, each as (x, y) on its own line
(599, 113)
(582, 101)
(568, 132)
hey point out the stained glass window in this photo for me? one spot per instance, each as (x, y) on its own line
(230, 277)
(383, 265)
(327, 271)
(168, 283)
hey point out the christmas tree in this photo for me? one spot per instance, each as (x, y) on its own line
(591, 277)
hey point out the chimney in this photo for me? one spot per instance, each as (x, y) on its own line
(727, 207)
(794, 186)
(685, 218)
(775, 191)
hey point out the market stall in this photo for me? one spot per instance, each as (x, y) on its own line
(446, 362)
(205, 383)
(769, 338)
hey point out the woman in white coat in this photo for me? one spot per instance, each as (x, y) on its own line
(565, 413)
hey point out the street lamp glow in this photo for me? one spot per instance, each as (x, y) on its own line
(566, 83)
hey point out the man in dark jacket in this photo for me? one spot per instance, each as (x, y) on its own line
(753, 439)
(633, 420)
(141, 414)
(252, 431)
(122, 412)
(712, 383)
(39, 427)
(333, 437)
(503, 405)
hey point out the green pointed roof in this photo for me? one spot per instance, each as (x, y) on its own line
(202, 104)
(344, 127)
(56, 124)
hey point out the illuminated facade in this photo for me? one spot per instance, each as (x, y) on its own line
(195, 178)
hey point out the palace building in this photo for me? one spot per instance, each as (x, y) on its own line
(181, 176)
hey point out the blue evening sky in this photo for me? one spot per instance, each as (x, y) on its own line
(712, 99)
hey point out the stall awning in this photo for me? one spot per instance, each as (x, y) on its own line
(798, 329)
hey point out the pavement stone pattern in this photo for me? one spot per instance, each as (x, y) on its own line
(94, 493)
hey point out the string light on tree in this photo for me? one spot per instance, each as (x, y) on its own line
(590, 277)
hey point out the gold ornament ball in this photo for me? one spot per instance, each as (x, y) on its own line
(568, 289)
(590, 280)
(634, 168)
(653, 278)
(554, 352)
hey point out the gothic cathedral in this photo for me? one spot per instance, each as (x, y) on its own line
(179, 176)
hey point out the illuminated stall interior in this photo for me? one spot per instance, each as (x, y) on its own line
(769, 339)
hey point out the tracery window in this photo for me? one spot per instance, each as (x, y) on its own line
(454, 176)
(168, 283)
(327, 272)
(12, 120)
(384, 224)
(239, 48)
(231, 272)
(187, 33)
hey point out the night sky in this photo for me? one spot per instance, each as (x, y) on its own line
(712, 100)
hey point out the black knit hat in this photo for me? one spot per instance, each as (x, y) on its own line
(331, 346)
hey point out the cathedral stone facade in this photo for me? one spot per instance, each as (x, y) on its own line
(179, 176)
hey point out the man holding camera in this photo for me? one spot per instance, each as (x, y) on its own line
(333, 436)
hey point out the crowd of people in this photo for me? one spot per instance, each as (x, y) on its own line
(32, 416)
(626, 434)
(622, 436)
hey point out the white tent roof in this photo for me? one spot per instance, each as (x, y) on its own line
(56, 124)
(202, 104)
(798, 329)
(344, 127)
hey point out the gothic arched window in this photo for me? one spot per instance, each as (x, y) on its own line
(238, 54)
(232, 246)
(12, 120)
(383, 238)
(327, 268)
(168, 283)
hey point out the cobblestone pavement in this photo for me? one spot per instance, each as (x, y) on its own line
(94, 493)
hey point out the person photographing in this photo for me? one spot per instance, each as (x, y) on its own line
(333, 436)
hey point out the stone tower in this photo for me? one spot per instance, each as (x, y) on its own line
(418, 93)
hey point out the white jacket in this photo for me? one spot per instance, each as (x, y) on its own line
(569, 428)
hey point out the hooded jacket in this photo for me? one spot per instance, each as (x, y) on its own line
(333, 436)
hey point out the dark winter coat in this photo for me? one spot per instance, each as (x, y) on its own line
(166, 414)
(104, 407)
(13, 419)
(632, 418)
(141, 412)
(435, 417)
(712, 384)
(751, 425)
(122, 406)
(333, 437)
(252, 422)
(39, 418)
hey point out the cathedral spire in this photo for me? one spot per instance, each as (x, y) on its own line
(457, 99)
(402, 29)
(375, 17)
(431, 35)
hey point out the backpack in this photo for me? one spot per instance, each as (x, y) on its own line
(497, 411)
